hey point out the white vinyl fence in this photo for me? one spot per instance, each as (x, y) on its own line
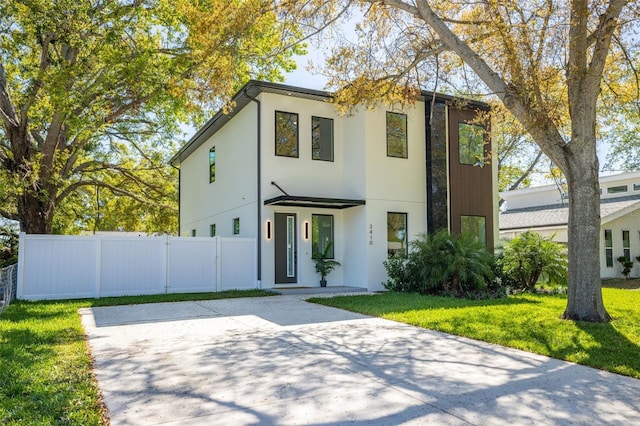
(70, 267)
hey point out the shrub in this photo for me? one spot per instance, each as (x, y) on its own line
(441, 264)
(530, 257)
(627, 264)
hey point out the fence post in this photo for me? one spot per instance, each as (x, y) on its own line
(167, 263)
(98, 288)
(22, 247)
(218, 268)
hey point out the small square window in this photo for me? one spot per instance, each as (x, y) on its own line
(471, 144)
(396, 234)
(396, 135)
(236, 226)
(321, 138)
(286, 134)
(212, 229)
(212, 165)
(636, 186)
(617, 189)
(474, 226)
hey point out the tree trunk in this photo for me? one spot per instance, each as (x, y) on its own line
(585, 294)
(36, 215)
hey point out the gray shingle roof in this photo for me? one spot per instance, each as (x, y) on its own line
(558, 214)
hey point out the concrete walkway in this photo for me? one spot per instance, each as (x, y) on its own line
(280, 360)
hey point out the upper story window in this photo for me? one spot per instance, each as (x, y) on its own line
(322, 138)
(636, 186)
(396, 135)
(286, 134)
(236, 226)
(470, 144)
(617, 189)
(212, 229)
(212, 164)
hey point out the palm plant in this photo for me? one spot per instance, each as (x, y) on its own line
(324, 265)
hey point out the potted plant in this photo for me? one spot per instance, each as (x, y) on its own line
(324, 265)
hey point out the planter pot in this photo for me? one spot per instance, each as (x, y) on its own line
(323, 283)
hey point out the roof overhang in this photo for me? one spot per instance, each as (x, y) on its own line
(314, 202)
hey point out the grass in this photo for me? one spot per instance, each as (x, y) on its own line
(45, 366)
(527, 322)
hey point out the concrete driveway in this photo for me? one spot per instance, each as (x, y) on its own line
(280, 360)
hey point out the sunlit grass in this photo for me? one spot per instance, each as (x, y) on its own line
(528, 322)
(45, 367)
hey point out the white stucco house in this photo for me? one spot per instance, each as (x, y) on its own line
(545, 210)
(285, 168)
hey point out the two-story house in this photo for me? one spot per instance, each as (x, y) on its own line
(285, 168)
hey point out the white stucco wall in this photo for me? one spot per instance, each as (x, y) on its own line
(631, 223)
(234, 192)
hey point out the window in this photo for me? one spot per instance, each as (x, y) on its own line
(617, 189)
(470, 144)
(396, 135)
(322, 138)
(286, 134)
(212, 164)
(236, 226)
(322, 234)
(193, 232)
(636, 186)
(608, 248)
(626, 247)
(212, 229)
(474, 226)
(396, 234)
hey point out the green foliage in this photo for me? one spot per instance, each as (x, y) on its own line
(530, 257)
(441, 264)
(627, 264)
(8, 245)
(93, 95)
(323, 264)
(530, 322)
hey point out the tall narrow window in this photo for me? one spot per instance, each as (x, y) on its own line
(322, 234)
(396, 234)
(212, 229)
(322, 138)
(193, 232)
(608, 247)
(286, 134)
(626, 245)
(471, 144)
(212, 164)
(474, 226)
(396, 135)
(236, 226)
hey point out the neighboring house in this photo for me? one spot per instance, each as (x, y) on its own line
(284, 167)
(545, 210)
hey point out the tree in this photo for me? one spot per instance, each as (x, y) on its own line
(544, 60)
(90, 89)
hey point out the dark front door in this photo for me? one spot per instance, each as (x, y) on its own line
(286, 251)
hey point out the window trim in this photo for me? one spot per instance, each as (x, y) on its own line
(406, 134)
(275, 134)
(313, 117)
(406, 233)
(333, 235)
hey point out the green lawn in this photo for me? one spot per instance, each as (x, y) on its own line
(528, 322)
(45, 369)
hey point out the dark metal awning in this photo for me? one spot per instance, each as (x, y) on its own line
(315, 202)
